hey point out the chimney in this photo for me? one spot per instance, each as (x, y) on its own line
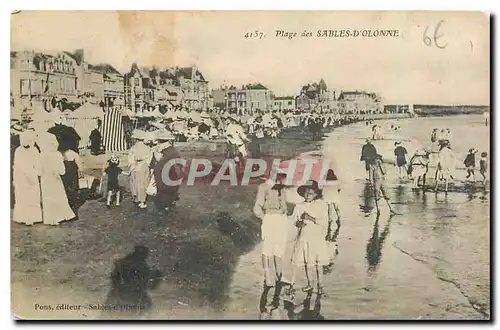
(334, 96)
(193, 72)
(79, 55)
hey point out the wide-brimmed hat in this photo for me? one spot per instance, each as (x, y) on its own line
(472, 150)
(420, 152)
(397, 143)
(16, 128)
(114, 159)
(311, 184)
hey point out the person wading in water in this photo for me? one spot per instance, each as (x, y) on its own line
(368, 155)
(377, 179)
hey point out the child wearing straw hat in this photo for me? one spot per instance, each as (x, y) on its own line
(113, 170)
(310, 247)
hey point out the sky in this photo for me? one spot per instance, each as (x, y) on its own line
(405, 69)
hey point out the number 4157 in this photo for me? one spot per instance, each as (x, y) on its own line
(255, 34)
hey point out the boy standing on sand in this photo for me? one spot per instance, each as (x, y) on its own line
(113, 170)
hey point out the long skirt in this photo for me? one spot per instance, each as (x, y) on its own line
(27, 208)
(166, 196)
(70, 181)
(139, 181)
(54, 201)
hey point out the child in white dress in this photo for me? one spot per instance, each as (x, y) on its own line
(310, 247)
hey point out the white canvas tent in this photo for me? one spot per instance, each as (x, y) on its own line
(84, 119)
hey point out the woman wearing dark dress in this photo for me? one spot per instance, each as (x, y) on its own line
(95, 141)
(70, 178)
(167, 195)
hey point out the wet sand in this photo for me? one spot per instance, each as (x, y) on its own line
(431, 261)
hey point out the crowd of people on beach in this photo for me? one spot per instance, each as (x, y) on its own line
(153, 149)
(152, 145)
(191, 126)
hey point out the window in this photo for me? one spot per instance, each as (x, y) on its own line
(289, 102)
(25, 86)
(136, 82)
(36, 86)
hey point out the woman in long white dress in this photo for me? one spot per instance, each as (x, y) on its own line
(55, 206)
(139, 158)
(27, 208)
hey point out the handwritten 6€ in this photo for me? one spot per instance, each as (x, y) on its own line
(428, 40)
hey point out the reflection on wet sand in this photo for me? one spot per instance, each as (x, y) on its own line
(376, 244)
(368, 202)
(285, 309)
(278, 303)
(305, 313)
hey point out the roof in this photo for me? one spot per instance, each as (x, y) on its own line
(187, 72)
(344, 94)
(78, 59)
(105, 68)
(255, 86)
(167, 74)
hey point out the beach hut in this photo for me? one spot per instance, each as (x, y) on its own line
(113, 131)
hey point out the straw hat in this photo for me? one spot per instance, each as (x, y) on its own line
(311, 184)
(16, 128)
(114, 159)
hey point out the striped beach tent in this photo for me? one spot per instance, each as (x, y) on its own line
(112, 130)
